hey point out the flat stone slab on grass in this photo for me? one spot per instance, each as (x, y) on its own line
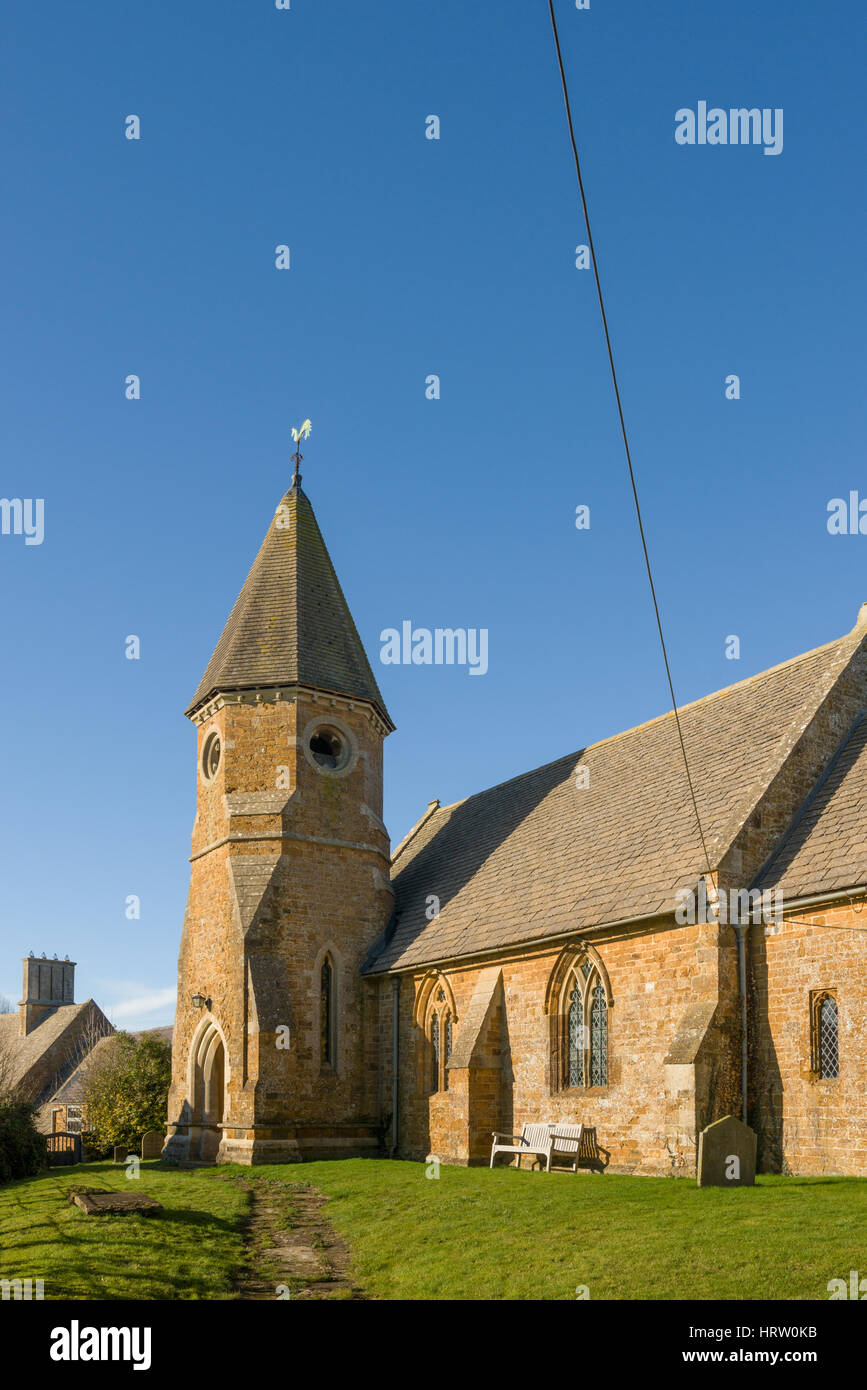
(96, 1202)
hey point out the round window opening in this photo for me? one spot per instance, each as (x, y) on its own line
(211, 756)
(329, 748)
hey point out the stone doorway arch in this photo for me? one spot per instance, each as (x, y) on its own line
(207, 1091)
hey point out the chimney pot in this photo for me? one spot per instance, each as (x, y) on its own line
(47, 985)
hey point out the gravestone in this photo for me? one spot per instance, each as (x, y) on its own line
(152, 1144)
(93, 1201)
(727, 1154)
(121, 1154)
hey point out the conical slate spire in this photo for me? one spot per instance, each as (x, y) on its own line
(291, 624)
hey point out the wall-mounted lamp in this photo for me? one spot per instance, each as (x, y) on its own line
(200, 1002)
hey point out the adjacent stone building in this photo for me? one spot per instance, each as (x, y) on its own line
(565, 946)
(66, 1109)
(50, 1036)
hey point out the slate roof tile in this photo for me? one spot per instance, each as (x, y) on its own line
(536, 856)
(826, 848)
(291, 624)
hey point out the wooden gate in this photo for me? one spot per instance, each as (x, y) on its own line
(63, 1149)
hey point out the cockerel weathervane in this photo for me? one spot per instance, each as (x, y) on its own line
(298, 435)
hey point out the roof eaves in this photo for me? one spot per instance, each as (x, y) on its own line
(242, 689)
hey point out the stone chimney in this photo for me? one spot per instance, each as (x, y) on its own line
(47, 984)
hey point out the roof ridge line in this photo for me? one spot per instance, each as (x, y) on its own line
(808, 800)
(622, 733)
(718, 694)
(791, 736)
(431, 810)
(519, 777)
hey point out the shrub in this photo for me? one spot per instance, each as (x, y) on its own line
(126, 1091)
(92, 1150)
(22, 1147)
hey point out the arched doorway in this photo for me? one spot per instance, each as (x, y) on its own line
(208, 1092)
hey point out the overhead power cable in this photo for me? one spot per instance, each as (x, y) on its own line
(623, 427)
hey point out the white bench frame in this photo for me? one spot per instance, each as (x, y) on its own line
(534, 1139)
(541, 1141)
(566, 1142)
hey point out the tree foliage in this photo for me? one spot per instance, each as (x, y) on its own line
(22, 1147)
(126, 1090)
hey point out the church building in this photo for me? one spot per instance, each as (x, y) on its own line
(563, 947)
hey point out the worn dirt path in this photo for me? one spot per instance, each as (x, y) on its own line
(290, 1249)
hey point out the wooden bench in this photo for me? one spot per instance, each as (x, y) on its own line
(533, 1139)
(566, 1143)
(580, 1144)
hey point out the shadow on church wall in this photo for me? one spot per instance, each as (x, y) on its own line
(765, 1081)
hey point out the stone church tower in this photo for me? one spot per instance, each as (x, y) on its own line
(289, 882)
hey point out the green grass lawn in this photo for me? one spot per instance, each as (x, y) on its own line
(473, 1233)
(470, 1234)
(187, 1251)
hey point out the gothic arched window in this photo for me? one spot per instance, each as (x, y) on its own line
(440, 1048)
(576, 1038)
(435, 1052)
(582, 1020)
(435, 1013)
(599, 1037)
(327, 1048)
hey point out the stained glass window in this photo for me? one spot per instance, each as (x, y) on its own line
(829, 1058)
(435, 1051)
(598, 1038)
(326, 1013)
(576, 1041)
(448, 1051)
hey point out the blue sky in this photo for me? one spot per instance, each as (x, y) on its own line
(409, 257)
